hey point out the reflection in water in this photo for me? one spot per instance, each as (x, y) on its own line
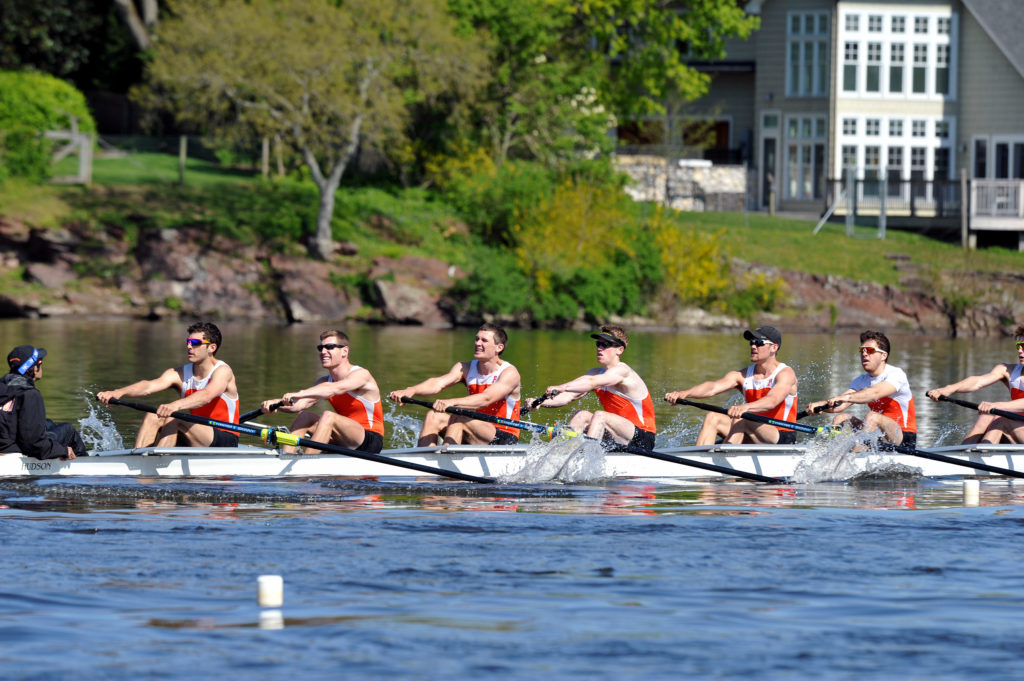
(234, 500)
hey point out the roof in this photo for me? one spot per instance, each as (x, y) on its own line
(1003, 21)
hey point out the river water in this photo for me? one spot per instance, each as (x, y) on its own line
(426, 579)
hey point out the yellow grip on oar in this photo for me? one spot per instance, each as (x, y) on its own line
(276, 437)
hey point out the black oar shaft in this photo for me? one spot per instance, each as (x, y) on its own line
(924, 454)
(547, 430)
(250, 415)
(974, 405)
(272, 436)
(800, 427)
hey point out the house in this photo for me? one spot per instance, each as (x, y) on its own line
(878, 106)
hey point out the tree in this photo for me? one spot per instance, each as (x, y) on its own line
(642, 46)
(51, 36)
(326, 76)
(139, 16)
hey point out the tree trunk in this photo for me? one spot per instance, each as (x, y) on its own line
(321, 246)
(135, 24)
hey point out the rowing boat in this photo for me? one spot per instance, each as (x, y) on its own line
(518, 463)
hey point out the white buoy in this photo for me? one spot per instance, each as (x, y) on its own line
(972, 492)
(270, 591)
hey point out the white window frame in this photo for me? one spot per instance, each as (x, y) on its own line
(811, 132)
(807, 53)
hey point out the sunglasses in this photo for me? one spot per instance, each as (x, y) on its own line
(328, 346)
(760, 343)
(869, 351)
(601, 345)
(1019, 344)
(196, 342)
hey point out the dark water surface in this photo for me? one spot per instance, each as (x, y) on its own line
(419, 579)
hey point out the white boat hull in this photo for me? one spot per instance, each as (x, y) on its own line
(496, 462)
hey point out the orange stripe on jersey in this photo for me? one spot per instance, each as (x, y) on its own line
(370, 415)
(754, 389)
(221, 408)
(1016, 383)
(507, 408)
(638, 412)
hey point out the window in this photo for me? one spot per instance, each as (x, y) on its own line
(899, 24)
(895, 127)
(896, 64)
(920, 67)
(918, 128)
(942, 25)
(918, 165)
(807, 68)
(894, 171)
(875, 23)
(872, 127)
(850, 126)
(921, 25)
(852, 23)
(872, 155)
(874, 69)
(850, 67)
(980, 158)
(849, 158)
(942, 69)
(770, 121)
(805, 157)
(941, 170)
(1001, 160)
(942, 129)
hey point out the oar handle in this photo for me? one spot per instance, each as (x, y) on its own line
(1013, 416)
(530, 405)
(250, 415)
(809, 412)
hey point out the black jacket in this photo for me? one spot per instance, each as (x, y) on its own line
(23, 420)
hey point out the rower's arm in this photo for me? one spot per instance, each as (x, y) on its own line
(431, 386)
(1016, 406)
(999, 372)
(580, 386)
(784, 386)
(869, 394)
(167, 380)
(215, 387)
(324, 389)
(733, 379)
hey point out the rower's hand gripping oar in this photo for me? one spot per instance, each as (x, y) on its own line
(910, 451)
(536, 402)
(1013, 416)
(273, 436)
(250, 415)
(547, 430)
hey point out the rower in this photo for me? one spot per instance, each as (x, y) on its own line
(628, 415)
(768, 386)
(989, 427)
(494, 388)
(357, 421)
(206, 387)
(883, 388)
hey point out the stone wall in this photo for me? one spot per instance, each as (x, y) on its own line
(686, 185)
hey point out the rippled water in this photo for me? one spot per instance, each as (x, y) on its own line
(417, 579)
(421, 579)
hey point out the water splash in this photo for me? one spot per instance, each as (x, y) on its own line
(849, 455)
(97, 428)
(405, 427)
(571, 460)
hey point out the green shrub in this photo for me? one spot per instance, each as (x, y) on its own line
(31, 104)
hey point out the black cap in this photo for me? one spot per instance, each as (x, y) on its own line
(23, 357)
(768, 333)
(608, 338)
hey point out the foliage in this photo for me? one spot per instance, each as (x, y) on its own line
(642, 46)
(51, 37)
(490, 197)
(326, 77)
(694, 262)
(30, 104)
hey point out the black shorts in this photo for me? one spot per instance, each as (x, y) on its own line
(222, 438)
(909, 439)
(786, 437)
(372, 443)
(644, 439)
(503, 437)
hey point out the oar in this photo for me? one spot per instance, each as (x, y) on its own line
(274, 437)
(808, 412)
(536, 402)
(974, 405)
(250, 415)
(910, 451)
(758, 418)
(550, 431)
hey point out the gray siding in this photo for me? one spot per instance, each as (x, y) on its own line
(991, 89)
